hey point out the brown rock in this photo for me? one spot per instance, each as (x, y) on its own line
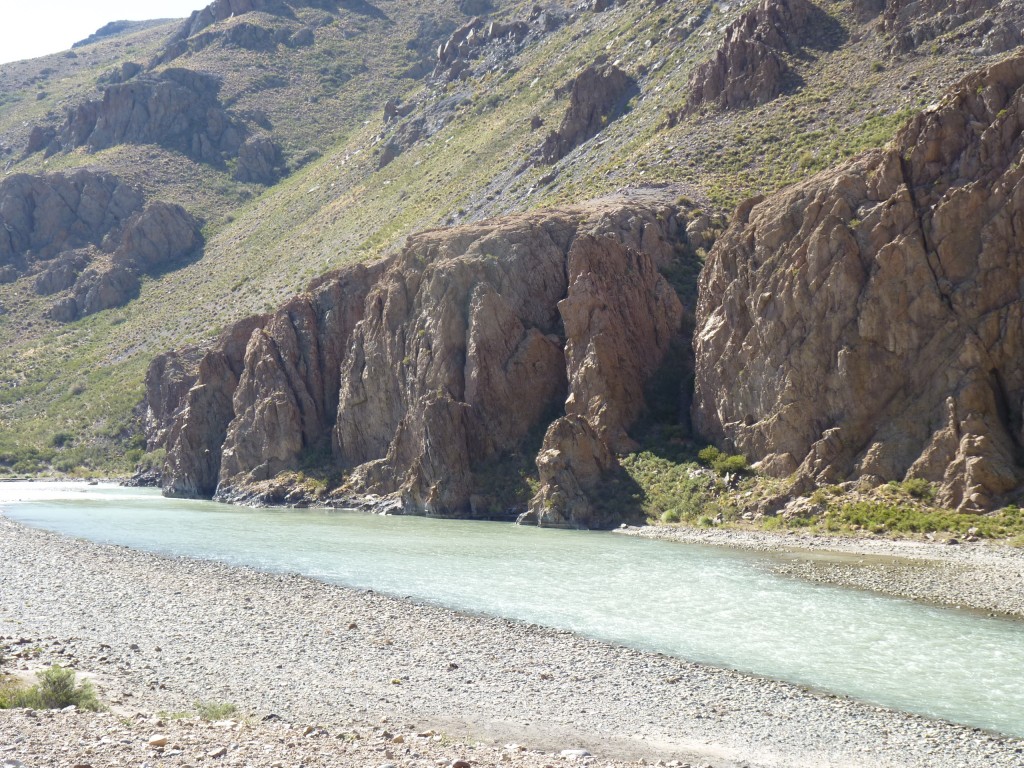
(287, 394)
(571, 463)
(159, 236)
(169, 378)
(43, 216)
(179, 109)
(750, 66)
(426, 368)
(194, 441)
(914, 22)
(867, 323)
(596, 96)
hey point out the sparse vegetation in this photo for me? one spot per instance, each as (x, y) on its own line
(215, 710)
(56, 689)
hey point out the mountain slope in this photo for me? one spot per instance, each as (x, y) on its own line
(465, 132)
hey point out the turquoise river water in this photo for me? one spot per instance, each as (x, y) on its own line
(705, 604)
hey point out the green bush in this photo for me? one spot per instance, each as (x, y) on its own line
(56, 689)
(723, 463)
(709, 455)
(919, 488)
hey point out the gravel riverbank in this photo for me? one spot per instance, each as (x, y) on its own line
(365, 673)
(983, 576)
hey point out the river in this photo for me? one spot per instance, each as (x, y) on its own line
(705, 604)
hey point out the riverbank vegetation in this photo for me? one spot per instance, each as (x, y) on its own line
(57, 689)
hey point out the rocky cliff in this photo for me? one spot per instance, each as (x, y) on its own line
(421, 374)
(867, 324)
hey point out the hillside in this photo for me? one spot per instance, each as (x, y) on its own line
(343, 128)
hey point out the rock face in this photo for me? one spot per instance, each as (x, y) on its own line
(150, 241)
(417, 374)
(266, 393)
(287, 395)
(178, 109)
(43, 216)
(61, 225)
(168, 379)
(868, 323)
(750, 66)
(912, 23)
(474, 322)
(596, 96)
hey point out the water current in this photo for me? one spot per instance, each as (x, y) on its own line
(704, 604)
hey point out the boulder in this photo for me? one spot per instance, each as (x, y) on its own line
(572, 463)
(157, 237)
(260, 161)
(867, 323)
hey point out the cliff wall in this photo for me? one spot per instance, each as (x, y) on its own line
(867, 324)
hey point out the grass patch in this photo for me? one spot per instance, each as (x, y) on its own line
(215, 710)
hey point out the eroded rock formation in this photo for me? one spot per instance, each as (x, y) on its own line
(751, 66)
(178, 109)
(43, 216)
(596, 96)
(423, 371)
(868, 323)
(88, 232)
(911, 23)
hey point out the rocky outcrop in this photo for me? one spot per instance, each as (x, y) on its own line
(572, 464)
(168, 379)
(150, 241)
(596, 96)
(287, 396)
(178, 109)
(43, 216)
(260, 161)
(751, 66)
(474, 321)
(910, 23)
(266, 394)
(420, 373)
(867, 323)
(196, 436)
(483, 45)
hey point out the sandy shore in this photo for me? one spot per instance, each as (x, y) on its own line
(365, 673)
(983, 576)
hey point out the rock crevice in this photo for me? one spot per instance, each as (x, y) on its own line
(867, 323)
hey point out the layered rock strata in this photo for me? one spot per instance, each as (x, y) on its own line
(421, 372)
(869, 323)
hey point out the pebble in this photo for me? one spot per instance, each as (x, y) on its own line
(276, 644)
